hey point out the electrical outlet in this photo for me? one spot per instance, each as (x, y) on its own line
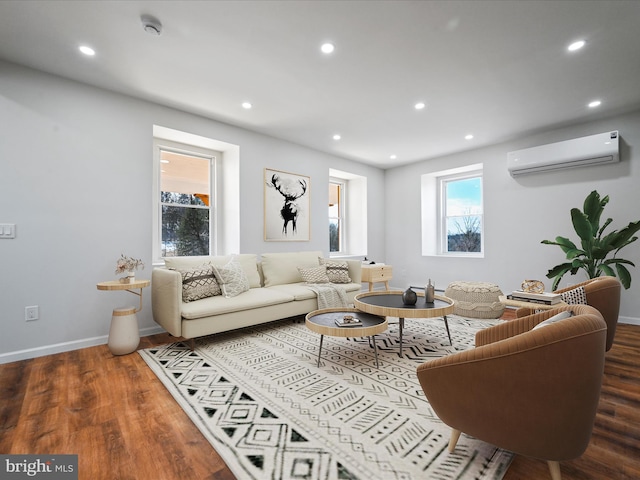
(31, 313)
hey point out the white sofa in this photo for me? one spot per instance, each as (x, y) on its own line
(276, 291)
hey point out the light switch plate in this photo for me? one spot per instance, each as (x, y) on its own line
(7, 230)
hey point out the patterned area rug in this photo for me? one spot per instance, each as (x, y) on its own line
(258, 397)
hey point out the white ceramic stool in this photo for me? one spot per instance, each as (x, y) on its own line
(124, 336)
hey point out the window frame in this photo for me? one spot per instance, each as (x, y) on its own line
(342, 223)
(160, 144)
(443, 233)
(434, 238)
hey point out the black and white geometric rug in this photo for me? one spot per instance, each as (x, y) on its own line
(257, 395)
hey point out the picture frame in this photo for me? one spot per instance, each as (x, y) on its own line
(287, 206)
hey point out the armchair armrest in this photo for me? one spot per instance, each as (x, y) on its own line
(166, 298)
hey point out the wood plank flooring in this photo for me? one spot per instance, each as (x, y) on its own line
(121, 421)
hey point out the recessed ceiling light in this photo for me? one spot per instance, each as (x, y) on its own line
(576, 45)
(393, 157)
(468, 137)
(327, 48)
(164, 161)
(595, 103)
(90, 52)
(419, 105)
(337, 137)
(246, 105)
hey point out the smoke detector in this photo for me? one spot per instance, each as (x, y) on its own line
(151, 25)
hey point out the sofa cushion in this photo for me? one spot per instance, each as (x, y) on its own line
(231, 278)
(337, 270)
(282, 268)
(314, 274)
(249, 262)
(219, 305)
(199, 283)
(298, 291)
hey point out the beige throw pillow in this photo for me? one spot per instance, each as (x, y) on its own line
(232, 278)
(314, 274)
(337, 270)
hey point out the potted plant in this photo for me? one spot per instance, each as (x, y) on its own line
(128, 265)
(593, 254)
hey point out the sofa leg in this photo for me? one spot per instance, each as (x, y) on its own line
(554, 469)
(192, 344)
(455, 435)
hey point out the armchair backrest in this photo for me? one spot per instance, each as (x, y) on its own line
(603, 293)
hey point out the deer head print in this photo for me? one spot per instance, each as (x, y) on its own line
(291, 190)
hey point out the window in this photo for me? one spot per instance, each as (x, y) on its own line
(336, 216)
(452, 212)
(185, 200)
(462, 214)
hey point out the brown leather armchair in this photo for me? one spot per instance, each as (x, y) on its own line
(532, 392)
(603, 293)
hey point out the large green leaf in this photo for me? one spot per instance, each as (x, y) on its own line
(623, 275)
(626, 233)
(564, 243)
(593, 207)
(581, 225)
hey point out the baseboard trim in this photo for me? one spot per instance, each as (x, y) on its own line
(67, 346)
(629, 320)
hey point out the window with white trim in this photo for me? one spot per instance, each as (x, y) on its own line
(461, 216)
(452, 212)
(185, 201)
(337, 232)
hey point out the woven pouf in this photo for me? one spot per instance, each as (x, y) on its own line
(475, 299)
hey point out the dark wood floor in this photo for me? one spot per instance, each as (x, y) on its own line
(123, 424)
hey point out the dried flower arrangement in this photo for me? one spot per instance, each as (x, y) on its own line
(128, 264)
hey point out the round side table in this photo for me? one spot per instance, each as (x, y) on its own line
(124, 336)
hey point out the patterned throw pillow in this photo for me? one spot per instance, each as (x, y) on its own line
(199, 283)
(314, 274)
(337, 270)
(232, 278)
(575, 296)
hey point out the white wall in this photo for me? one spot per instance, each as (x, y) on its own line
(76, 179)
(519, 214)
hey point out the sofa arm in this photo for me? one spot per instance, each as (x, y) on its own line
(166, 298)
(355, 270)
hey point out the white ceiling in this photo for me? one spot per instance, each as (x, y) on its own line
(495, 69)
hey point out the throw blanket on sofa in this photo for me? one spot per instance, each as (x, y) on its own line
(329, 295)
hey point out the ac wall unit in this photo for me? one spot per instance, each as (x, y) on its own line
(592, 150)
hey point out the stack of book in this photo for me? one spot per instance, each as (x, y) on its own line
(348, 321)
(542, 298)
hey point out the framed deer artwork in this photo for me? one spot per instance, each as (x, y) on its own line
(287, 208)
